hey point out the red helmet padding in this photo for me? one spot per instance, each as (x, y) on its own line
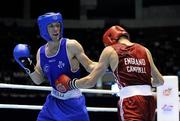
(112, 35)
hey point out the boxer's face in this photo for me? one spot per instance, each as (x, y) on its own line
(54, 30)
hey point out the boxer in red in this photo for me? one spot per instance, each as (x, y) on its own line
(133, 67)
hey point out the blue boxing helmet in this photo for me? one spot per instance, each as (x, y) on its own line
(46, 19)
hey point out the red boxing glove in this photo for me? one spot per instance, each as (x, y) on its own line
(64, 83)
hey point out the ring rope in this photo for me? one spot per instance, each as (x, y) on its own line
(48, 88)
(38, 107)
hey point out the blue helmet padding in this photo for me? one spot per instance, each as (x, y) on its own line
(21, 50)
(46, 19)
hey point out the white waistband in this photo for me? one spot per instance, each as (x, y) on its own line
(64, 96)
(130, 91)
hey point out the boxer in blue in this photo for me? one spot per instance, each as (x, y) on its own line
(58, 56)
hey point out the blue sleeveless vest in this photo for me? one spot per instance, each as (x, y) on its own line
(57, 64)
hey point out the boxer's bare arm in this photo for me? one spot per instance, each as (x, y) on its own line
(156, 75)
(76, 50)
(37, 76)
(108, 58)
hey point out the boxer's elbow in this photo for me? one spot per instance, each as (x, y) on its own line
(161, 82)
(157, 82)
(36, 78)
(36, 82)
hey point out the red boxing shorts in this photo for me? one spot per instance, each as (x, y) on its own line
(136, 103)
(137, 108)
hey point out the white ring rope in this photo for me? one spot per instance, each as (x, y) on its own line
(47, 88)
(38, 107)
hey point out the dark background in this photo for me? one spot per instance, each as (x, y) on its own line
(154, 24)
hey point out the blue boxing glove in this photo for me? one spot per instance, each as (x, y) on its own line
(23, 58)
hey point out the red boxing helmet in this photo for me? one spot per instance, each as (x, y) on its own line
(112, 35)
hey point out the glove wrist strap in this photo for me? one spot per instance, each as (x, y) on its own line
(72, 84)
(27, 64)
